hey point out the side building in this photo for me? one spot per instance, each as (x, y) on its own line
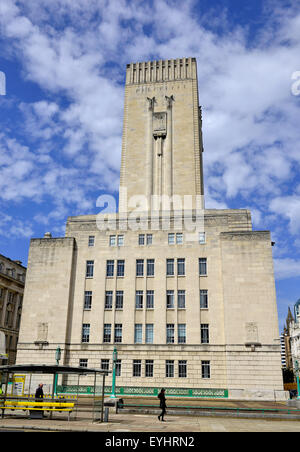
(12, 282)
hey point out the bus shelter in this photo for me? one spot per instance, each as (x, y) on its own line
(8, 371)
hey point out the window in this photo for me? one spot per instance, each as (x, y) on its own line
(118, 368)
(112, 240)
(119, 299)
(205, 369)
(203, 299)
(89, 269)
(118, 332)
(171, 238)
(181, 267)
(138, 333)
(150, 267)
(181, 299)
(170, 333)
(150, 299)
(107, 332)
(149, 239)
(85, 336)
(140, 267)
(149, 368)
(137, 368)
(149, 333)
(170, 267)
(169, 368)
(182, 368)
(83, 362)
(108, 299)
(91, 241)
(109, 268)
(204, 333)
(201, 237)
(104, 364)
(87, 299)
(120, 268)
(120, 240)
(139, 299)
(141, 239)
(179, 238)
(181, 333)
(170, 299)
(202, 266)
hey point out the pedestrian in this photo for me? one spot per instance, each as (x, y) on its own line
(39, 394)
(162, 404)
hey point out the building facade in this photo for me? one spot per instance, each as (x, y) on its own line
(12, 282)
(185, 294)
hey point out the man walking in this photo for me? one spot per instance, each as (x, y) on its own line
(162, 404)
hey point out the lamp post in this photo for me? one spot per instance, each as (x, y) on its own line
(57, 358)
(297, 379)
(113, 389)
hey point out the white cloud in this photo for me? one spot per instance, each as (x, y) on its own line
(286, 268)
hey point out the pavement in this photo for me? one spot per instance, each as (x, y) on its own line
(126, 422)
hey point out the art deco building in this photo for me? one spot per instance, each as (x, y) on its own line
(12, 281)
(185, 294)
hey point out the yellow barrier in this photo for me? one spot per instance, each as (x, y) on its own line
(38, 406)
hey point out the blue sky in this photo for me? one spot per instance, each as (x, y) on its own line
(61, 116)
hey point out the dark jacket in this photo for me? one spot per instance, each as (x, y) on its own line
(39, 394)
(162, 399)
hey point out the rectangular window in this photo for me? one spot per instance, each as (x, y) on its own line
(203, 299)
(85, 336)
(87, 299)
(119, 299)
(120, 268)
(118, 368)
(181, 267)
(182, 368)
(137, 368)
(91, 241)
(149, 333)
(170, 333)
(118, 332)
(201, 237)
(150, 267)
(170, 299)
(104, 364)
(109, 268)
(179, 238)
(107, 332)
(108, 299)
(141, 239)
(112, 240)
(89, 269)
(202, 266)
(139, 299)
(150, 299)
(149, 239)
(171, 238)
(181, 299)
(83, 362)
(169, 368)
(170, 267)
(181, 333)
(205, 369)
(149, 368)
(204, 333)
(120, 240)
(140, 267)
(138, 333)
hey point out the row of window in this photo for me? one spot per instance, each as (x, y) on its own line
(149, 333)
(146, 268)
(147, 239)
(147, 301)
(182, 368)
